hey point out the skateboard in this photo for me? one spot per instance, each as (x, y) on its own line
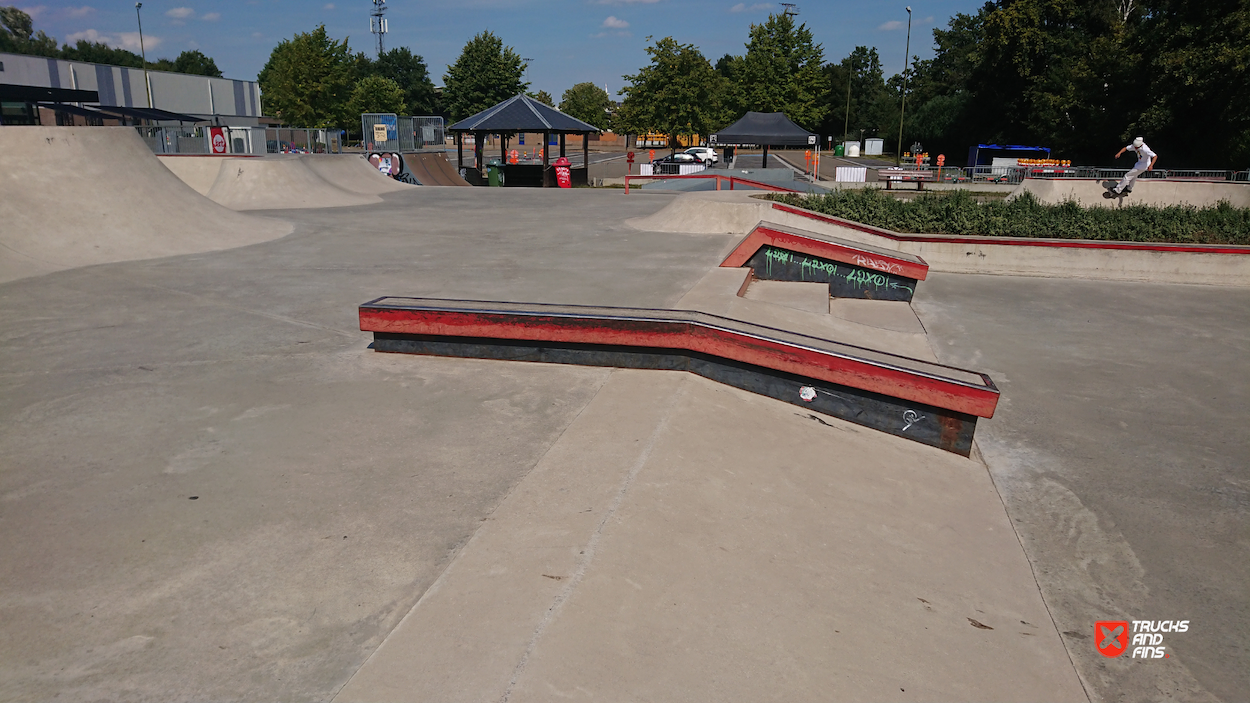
(1110, 192)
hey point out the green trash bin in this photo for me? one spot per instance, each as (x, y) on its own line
(494, 173)
(839, 150)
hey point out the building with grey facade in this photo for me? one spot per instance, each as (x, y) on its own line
(222, 101)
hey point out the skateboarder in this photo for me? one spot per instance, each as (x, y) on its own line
(1145, 162)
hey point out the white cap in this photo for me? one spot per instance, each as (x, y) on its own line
(1138, 141)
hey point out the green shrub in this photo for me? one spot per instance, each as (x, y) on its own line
(956, 212)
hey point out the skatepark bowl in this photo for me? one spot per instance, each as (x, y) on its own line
(282, 428)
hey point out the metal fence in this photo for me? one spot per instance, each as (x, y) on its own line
(1016, 174)
(284, 140)
(388, 131)
(421, 132)
(241, 140)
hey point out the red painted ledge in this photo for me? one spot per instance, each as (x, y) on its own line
(833, 249)
(891, 375)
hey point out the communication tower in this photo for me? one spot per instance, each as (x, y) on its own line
(791, 10)
(377, 23)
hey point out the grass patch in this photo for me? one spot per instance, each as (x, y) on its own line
(958, 213)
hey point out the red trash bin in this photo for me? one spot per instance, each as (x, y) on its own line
(564, 175)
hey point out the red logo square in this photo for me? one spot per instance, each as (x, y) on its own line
(1111, 637)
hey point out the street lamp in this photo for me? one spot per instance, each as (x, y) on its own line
(846, 125)
(147, 82)
(898, 153)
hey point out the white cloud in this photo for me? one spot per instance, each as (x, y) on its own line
(613, 23)
(625, 2)
(890, 26)
(180, 13)
(122, 40)
(211, 17)
(89, 35)
(328, 6)
(77, 13)
(757, 7)
(34, 11)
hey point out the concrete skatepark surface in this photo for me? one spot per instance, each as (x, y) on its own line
(367, 526)
(346, 172)
(62, 209)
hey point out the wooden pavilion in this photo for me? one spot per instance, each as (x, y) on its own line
(518, 115)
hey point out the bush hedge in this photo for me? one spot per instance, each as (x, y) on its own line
(956, 212)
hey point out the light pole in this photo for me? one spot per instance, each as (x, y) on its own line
(846, 125)
(147, 83)
(898, 153)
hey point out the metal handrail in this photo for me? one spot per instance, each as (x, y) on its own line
(719, 179)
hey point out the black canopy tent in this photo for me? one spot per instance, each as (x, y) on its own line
(766, 129)
(518, 114)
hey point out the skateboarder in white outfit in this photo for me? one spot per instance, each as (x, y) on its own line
(1145, 162)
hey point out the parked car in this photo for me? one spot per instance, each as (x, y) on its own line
(705, 154)
(672, 164)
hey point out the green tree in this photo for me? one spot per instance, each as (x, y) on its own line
(872, 104)
(1197, 68)
(588, 103)
(17, 35)
(782, 72)
(543, 97)
(378, 94)
(486, 73)
(196, 63)
(678, 93)
(729, 66)
(98, 52)
(308, 81)
(409, 71)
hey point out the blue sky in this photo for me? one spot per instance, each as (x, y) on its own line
(569, 40)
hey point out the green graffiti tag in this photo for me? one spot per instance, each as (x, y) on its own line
(805, 264)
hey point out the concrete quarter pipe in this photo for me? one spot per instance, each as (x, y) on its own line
(115, 202)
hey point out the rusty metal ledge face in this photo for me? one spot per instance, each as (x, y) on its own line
(937, 427)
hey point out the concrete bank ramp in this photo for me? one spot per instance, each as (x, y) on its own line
(1157, 193)
(196, 170)
(352, 173)
(78, 196)
(715, 212)
(433, 169)
(279, 182)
